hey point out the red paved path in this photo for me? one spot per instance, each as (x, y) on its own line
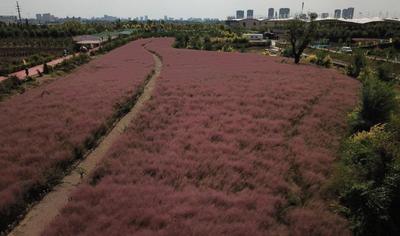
(33, 71)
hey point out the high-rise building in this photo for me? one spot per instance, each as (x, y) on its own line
(271, 13)
(284, 13)
(350, 13)
(250, 14)
(45, 18)
(345, 14)
(39, 18)
(239, 14)
(338, 14)
(324, 15)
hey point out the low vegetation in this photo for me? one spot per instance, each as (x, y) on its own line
(58, 122)
(367, 178)
(229, 144)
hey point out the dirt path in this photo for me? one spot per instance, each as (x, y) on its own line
(41, 215)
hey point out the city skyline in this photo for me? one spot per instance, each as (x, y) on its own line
(157, 9)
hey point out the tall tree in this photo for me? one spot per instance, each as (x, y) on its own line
(301, 33)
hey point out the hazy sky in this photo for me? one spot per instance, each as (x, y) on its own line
(189, 8)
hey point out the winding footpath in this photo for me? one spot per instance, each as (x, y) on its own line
(41, 215)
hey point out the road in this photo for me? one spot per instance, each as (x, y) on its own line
(369, 57)
(33, 71)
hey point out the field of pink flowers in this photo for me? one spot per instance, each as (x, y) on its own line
(44, 129)
(231, 144)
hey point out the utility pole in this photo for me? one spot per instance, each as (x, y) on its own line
(19, 13)
(302, 8)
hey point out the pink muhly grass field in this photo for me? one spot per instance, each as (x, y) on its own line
(231, 144)
(40, 128)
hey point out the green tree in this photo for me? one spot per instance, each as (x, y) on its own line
(301, 33)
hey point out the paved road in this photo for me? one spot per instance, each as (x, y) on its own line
(34, 70)
(369, 57)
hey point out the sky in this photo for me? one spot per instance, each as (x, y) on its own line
(156, 9)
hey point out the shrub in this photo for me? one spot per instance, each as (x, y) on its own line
(320, 58)
(227, 48)
(378, 101)
(358, 64)
(287, 52)
(327, 62)
(9, 84)
(207, 44)
(386, 72)
(368, 182)
(312, 59)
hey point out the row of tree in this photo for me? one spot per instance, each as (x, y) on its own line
(367, 178)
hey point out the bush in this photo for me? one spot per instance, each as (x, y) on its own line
(312, 59)
(320, 58)
(386, 72)
(227, 48)
(358, 64)
(9, 84)
(207, 44)
(287, 52)
(327, 62)
(378, 101)
(368, 182)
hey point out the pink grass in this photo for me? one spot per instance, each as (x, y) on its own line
(225, 147)
(40, 128)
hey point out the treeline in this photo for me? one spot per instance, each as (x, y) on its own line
(367, 178)
(200, 42)
(73, 28)
(67, 29)
(37, 59)
(344, 33)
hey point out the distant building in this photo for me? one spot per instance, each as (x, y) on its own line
(303, 16)
(88, 41)
(45, 18)
(350, 13)
(240, 14)
(271, 13)
(250, 14)
(254, 37)
(344, 13)
(284, 13)
(338, 14)
(324, 15)
(8, 19)
(39, 18)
